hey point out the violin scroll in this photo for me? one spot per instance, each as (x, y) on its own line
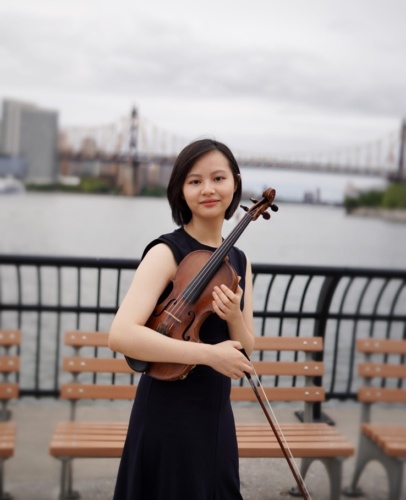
(260, 207)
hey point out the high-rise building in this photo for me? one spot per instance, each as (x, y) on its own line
(31, 133)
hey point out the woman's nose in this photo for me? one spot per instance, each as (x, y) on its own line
(207, 187)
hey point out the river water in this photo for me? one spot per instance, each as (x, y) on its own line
(115, 226)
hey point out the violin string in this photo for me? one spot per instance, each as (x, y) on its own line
(285, 443)
(213, 262)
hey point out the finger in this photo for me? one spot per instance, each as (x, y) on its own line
(227, 292)
(240, 374)
(219, 295)
(222, 303)
(219, 310)
(222, 290)
(237, 344)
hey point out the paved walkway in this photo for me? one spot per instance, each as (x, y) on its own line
(34, 475)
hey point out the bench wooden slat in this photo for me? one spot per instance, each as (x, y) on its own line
(8, 390)
(381, 395)
(304, 368)
(301, 438)
(67, 426)
(77, 338)
(388, 429)
(289, 426)
(97, 391)
(383, 370)
(391, 438)
(306, 344)
(87, 449)
(300, 450)
(78, 364)
(10, 338)
(90, 436)
(280, 394)
(266, 431)
(7, 439)
(395, 449)
(9, 364)
(381, 346)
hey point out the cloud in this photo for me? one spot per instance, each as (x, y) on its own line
(257, 70)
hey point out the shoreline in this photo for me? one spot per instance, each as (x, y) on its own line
(395, 215)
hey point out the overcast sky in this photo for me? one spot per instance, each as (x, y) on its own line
(270, 76)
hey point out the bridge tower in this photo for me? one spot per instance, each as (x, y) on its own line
(130, 172)
(133, 133)
(402, 154)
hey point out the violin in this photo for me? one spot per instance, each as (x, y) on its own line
(182, 313)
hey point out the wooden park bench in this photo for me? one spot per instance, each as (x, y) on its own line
(9, 364)
(384, 442)
(307, 440)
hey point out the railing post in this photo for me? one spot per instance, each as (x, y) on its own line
(322, 313)
(402, 154)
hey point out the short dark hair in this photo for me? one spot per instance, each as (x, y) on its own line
(181, 213)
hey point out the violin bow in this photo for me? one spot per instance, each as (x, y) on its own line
(276, 429)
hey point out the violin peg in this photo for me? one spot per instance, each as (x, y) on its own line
(244, 208)
(274, 208)
(254, 200)
(266, 215)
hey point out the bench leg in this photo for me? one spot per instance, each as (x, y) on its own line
(334, 469)
(3, 494)
(368, 451)
(67, 492)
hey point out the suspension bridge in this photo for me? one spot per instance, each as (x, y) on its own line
(134, 140)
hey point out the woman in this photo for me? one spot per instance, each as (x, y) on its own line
(181, 442)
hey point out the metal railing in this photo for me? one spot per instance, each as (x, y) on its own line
(45, 296)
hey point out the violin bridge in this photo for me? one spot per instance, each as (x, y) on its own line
(172, 316)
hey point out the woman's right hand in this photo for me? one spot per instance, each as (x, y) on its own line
(227, 358)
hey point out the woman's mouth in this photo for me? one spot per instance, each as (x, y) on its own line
(209, 202)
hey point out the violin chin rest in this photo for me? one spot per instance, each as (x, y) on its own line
(136, 364)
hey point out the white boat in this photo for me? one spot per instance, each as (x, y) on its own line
(11, 185)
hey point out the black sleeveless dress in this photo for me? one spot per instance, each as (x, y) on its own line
(181, 442)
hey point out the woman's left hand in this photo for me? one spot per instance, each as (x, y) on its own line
(226, 303)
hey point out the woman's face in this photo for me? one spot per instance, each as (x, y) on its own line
(209, 186)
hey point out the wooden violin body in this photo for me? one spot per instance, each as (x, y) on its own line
(180, 318)
(181, 314)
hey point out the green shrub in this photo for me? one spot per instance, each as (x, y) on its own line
(395, 196)
(157, 191)
(350, 203)
(94, 185)
(365, 199)
(86, 185)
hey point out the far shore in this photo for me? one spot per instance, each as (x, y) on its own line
(394, 215)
